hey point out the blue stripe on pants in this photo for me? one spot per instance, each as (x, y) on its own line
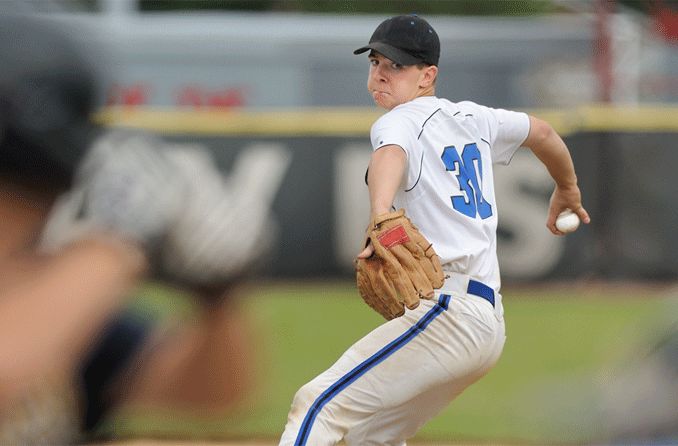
(365, 366)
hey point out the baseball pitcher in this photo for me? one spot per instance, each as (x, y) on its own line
(429, 262)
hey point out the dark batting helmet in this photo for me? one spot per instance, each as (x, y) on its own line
(48, 91)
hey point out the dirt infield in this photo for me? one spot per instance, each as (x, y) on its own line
(152, 442)
(187, 443)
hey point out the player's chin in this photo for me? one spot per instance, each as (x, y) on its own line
(382, 105)
(383, 100)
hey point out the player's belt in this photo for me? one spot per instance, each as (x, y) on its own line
(481, 290)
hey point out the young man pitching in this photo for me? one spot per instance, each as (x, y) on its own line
(429, 265)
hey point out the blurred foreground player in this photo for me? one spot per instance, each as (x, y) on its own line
(85, 216)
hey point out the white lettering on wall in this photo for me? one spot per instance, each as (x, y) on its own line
(530, 250)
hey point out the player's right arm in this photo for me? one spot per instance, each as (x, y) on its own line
(66, 297)
(384, 177)
(551, 150)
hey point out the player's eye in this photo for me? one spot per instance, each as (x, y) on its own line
(374, 62)
(396, 66)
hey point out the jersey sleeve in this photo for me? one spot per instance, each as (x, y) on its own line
(392, 129)
(507, 130)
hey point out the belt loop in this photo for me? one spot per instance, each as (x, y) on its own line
(444, 300)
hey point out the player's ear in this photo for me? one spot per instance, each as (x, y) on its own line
(429, 75)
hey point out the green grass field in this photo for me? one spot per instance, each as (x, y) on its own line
(554, 337)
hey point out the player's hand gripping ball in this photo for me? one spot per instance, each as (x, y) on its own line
(403, 269)
(567, 221)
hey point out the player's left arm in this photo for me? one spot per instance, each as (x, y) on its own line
(384, 177)
(551, 150)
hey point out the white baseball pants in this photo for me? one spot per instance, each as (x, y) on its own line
(389, 383)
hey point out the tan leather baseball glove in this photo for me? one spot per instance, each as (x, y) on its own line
(403, 269)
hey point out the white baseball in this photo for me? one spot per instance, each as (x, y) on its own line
(567, 221)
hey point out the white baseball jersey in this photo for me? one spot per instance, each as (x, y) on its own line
(389, 383)
(450, 150)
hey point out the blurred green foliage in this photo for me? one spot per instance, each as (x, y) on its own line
(430, 7)
(648, 6)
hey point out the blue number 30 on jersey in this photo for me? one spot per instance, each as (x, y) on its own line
(467, 168)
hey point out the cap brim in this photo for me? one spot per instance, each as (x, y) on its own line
(395, 54)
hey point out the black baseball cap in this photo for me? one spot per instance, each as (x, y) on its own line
(405, 39)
